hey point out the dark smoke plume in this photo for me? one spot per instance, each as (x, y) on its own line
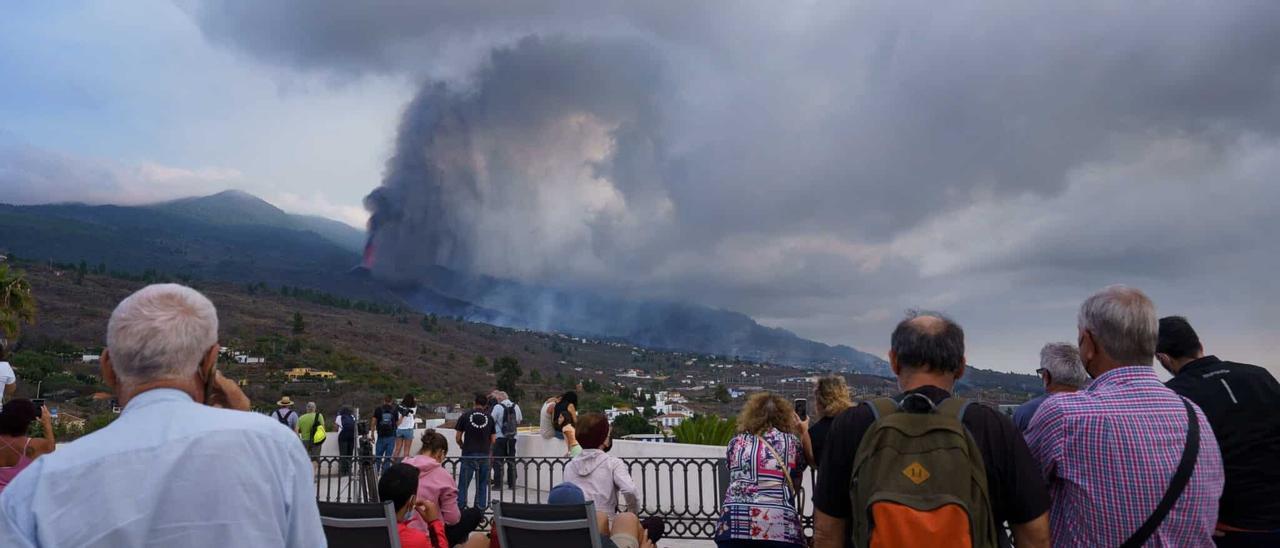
(551, 148)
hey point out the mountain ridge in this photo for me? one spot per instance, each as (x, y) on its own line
(237, 237)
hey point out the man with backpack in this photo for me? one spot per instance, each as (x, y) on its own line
(926, 468)
(507, 415)
(285, 415)
(311, 429)
(383, 424)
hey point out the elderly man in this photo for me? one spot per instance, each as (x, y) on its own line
(927, 355)
(1061, 372)
(1129, 462)
(506, 420)
(173, 469)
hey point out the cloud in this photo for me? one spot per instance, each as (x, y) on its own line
(31, 175)
(808, 162)
(318, 204)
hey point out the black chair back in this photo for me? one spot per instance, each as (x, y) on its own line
(546, 525)
(359, 525)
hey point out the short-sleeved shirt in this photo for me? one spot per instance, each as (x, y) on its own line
(818, 438)
(1109, 451)
(306, 423)
(386, 416)
(1241, 402)
(1017, 491)
(7, 377)
(1022, 415)
(290, 417)
(477, 431)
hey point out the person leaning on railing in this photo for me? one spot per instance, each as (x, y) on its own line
(17, 450)
(602, 477)
(760, 503)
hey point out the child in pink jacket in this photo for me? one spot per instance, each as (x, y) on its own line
(436, 485)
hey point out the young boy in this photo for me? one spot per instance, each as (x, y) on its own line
(399, 484)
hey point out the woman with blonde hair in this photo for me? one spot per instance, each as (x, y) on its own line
(830, 398)
(759, 505)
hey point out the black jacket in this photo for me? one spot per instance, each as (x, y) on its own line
(1242, 403)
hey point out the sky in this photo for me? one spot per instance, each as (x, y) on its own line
(821, 166)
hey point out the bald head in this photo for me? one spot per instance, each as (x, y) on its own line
(930, 341)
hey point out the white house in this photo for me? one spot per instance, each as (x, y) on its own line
(90, 358)
(672, 420)
(615, 412)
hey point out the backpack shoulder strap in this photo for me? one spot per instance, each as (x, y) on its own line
(882, 407)
(954, 406)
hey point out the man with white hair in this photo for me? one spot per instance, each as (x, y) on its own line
(173, 469)
(1129, 462)
(506, 419)
(1061, 372)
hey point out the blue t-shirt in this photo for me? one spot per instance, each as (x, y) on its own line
(1023, 414)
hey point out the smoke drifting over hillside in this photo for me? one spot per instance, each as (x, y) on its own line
(552, 150)
(823, 165)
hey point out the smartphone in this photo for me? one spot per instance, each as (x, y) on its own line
(38, 402)
(802, 408)
(209, 384)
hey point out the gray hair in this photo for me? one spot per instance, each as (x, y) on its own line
(311, 407)
(161, 332)
(1123, 323)
(1062, 361)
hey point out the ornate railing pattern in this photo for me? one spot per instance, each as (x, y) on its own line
(686, 492)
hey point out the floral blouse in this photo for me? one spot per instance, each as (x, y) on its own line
(759, 505)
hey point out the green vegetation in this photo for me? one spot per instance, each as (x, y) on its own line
(705, 430)
(298, 324)
(626, 425)
(509, 373)
(722, 394)
(17, 303)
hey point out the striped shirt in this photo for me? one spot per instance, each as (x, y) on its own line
(1109, 453)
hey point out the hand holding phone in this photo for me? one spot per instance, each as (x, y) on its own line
(220, 391)
(802, 409)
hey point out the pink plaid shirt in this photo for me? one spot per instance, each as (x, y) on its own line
(1109, 452)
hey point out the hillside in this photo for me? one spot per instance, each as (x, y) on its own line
(236, 238)
(372, 353)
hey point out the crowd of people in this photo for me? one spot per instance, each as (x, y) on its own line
(1109, 456)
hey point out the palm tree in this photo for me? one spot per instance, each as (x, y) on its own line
(705, 430)
(17, 304)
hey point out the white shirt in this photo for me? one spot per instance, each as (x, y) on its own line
(168, 472)
(7, 377)
(408, 420)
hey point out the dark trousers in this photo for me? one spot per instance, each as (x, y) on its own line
(458, 532)
(504, 447)
(346, 450)
(1248, 540)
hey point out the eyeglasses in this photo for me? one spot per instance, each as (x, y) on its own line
(1041, 370)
